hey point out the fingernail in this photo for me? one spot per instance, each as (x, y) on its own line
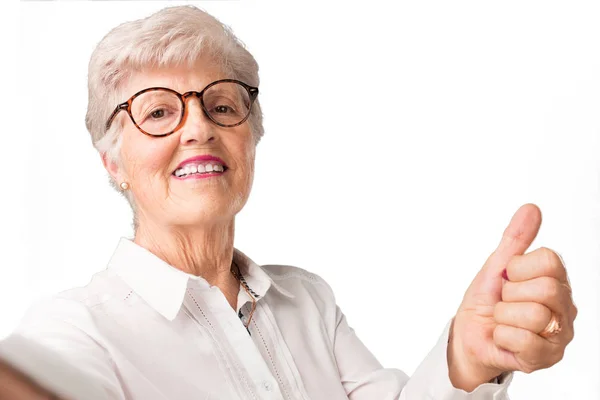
(504, 274)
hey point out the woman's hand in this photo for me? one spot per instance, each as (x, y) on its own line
(497, 327)
(16, 386)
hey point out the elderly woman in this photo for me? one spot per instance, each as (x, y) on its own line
(181, 314)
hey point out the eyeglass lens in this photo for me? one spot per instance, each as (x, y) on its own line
(158, 112)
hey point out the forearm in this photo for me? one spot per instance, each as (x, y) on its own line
(365, 379)
(15, 385)
(431, 379)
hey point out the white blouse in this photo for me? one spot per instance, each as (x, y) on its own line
(144, 330)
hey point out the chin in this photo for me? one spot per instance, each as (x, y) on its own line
(208, 215)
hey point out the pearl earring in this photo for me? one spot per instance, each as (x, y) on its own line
(124, 185)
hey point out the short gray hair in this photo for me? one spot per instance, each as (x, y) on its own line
(173, 36)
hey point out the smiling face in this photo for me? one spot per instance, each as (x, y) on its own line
(170, 177)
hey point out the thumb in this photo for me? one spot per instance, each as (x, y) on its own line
(519, 234)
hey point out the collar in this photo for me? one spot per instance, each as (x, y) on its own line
(163, 286)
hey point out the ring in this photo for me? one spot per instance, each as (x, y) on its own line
(553, 327)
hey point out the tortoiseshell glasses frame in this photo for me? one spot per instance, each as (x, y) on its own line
(252, 95)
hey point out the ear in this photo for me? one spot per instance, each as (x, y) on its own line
(112, 168)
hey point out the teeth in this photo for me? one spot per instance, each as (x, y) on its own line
(200, 169)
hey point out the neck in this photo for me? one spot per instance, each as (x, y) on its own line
(205, 251)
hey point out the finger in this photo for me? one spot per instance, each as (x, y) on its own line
(545, 290)
(519, 234)
(531, 351)
(530, 316)
(540, 262)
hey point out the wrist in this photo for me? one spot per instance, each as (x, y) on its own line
(463, 372)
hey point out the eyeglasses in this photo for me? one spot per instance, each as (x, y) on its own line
(159, 111)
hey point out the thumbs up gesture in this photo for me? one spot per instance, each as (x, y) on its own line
(517, 314)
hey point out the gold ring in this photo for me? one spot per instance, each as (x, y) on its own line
(553, 327)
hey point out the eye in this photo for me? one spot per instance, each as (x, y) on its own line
(157, 113)
(222, 109)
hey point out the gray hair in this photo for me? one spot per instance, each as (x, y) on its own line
(171, 37)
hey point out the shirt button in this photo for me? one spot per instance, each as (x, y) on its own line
(267, 386)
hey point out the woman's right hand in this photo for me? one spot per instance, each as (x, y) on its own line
(14, 385)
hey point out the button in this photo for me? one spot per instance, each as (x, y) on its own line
(267, 386)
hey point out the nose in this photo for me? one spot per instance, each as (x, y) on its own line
(196, 128)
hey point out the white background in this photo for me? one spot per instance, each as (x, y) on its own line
(399, 142)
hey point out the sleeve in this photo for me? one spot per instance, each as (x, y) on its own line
(364, 378)
(58, 346)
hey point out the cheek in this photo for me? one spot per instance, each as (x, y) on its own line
(248, 149)
(240, 146)
(146, 158)
(250, 155)
(248, 152)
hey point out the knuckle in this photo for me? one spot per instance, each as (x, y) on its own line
(557, 356)
(539, 311)
(551, 288)
(528, 368)
(570, 335)
(550, 258)
(540, 362)
(561, 260)
(540, 359)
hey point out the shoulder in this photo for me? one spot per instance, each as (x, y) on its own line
(50, 370)
(72, 311)
(282, 273)
(300, 282)
(59, 338)
(310, 298)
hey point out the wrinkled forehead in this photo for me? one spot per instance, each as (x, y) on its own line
(181, 78)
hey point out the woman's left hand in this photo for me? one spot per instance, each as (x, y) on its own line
(498, 324)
